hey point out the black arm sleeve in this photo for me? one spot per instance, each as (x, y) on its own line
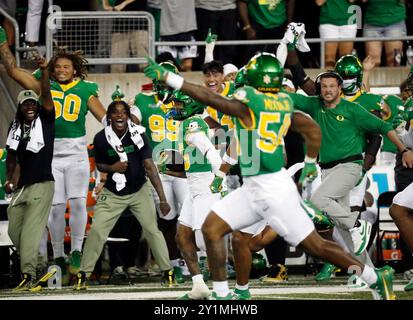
(373, 144)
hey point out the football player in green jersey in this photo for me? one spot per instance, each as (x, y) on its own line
(201, 162)
(263, 116)
(73, 97)
(163, 136)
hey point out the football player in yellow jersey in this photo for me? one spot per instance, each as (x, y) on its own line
(73, 98)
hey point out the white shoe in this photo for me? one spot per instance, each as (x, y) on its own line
(200, 291)
(360, 236)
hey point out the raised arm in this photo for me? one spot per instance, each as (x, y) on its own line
(23, 77)
(228, 106)
(45, 85)
(96, 107)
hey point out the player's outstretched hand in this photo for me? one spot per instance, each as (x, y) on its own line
(211, 37)
(154, 71)
(216, 184)
(308, 173)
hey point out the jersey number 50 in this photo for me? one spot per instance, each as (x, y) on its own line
(70, 108)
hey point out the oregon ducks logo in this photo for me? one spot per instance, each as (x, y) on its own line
(340, 118)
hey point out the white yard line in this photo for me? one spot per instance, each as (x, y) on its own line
(256, 292)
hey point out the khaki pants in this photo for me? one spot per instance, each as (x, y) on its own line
(108, 209)
(135, 42)
(28, 213)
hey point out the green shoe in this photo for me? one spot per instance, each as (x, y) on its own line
(61, 263)
(229, 296)
(178, 275)
(318, 217)
(3, 36)
(409, 286)
(326, 272)
(75, 259)
(383, 288)
(242, 294)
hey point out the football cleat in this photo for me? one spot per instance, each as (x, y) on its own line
(276, 274)
(75, 259)
(361, 236)
(383, 288)
(327, 272)
(43, 281)
(26, 284)
(242, 294)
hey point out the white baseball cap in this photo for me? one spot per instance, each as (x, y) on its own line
(229, 68)
(27, 95)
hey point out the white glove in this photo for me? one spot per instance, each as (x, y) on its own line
(296, 34)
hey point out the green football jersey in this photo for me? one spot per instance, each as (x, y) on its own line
(194, 160)
(70, 103)
(162, 133)
(260, 147)
(369, 101)
(3, 156)
(393, 102)
(343, 128)
(268, 13)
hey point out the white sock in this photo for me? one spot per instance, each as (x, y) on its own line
(221, 288)
(239, 287)
(198, 279)
(201, 254)
(369, 275)
(77, 222)
(175, 263)
(56, 225)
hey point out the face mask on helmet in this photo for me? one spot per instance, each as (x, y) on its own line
(239, 80)
(184, 107)
(350, 86)
(350, 69)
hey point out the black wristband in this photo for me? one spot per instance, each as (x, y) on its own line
(405, 150)
(298, 73)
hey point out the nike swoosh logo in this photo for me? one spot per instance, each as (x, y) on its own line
(386, 290)
(37, 198)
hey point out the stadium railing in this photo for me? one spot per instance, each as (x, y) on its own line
(91, 32)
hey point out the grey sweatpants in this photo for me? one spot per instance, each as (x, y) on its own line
(333, 197)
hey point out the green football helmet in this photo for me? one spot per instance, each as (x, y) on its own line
(350, 69)
(164, 92)
(239, 80)
(184, 107)
(258, 265)
(264, 72)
